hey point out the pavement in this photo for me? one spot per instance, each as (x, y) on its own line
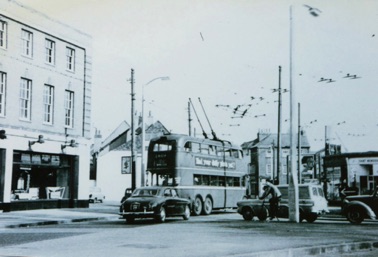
(109, 211)
(40, 217)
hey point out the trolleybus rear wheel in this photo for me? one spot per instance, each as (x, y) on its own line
(207, 206)
(197, 209)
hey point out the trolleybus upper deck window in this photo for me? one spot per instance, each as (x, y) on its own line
(164, 146)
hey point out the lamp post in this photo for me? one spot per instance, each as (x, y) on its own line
(143, 172)
(293, 181)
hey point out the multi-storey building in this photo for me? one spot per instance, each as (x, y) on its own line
(45, 110)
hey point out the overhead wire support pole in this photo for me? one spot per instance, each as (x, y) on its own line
(279, 127)
(189, 120)
(133, 175)
(299, 144)
(293, 181)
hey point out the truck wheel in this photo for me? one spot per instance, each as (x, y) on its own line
(207, 206)
(355, 215)
(247, 214)
(197, 208)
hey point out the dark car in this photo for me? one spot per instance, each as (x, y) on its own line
(356, 208)
(154, 202)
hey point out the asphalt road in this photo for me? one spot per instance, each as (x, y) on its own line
(222, 234)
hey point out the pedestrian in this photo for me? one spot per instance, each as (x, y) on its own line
(275, 198)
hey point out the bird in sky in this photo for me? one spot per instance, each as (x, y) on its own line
(322, 79)
(355, 77)
(202, 36)
(331, 81)
(313, 11)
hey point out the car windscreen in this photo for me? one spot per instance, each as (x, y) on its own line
(145, 192)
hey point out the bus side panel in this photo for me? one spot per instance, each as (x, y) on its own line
(234, 194)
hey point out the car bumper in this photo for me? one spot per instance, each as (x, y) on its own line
(145, 214)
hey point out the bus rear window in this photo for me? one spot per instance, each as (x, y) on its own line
(163, 147)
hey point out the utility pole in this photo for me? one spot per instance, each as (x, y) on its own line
(133, 175)
(293, 193)
(299, 144)
(189, 120)
(279, 127)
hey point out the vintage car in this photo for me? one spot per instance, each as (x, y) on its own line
(356, 208)
(95, 195)
(154, 202)
(312, 203)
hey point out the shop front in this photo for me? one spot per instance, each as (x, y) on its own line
(43, 181)
(350, 174)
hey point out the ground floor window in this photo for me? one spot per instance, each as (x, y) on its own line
(41, 176)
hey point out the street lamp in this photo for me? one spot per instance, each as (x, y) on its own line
(293, 182)
(143, 129)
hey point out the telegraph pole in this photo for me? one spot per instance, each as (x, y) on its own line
(279, 127)
(299, 144)
(189, 120)
(133, 178)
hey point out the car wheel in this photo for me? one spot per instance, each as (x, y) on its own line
(186, 213)
(247, 214)
(355, 215)
(197, 208)
(162, 215)
(263, 214)
(207, 206)
(311, 217)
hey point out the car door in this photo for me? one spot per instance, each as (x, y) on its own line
(180, 203)
(170, 203)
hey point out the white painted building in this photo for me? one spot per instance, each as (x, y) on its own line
(45, 110)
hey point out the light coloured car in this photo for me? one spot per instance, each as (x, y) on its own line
(312, 204)
(95, 195)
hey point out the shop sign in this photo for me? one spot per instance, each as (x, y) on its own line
(368, 161)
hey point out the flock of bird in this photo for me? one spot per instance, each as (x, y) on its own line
(349, 76)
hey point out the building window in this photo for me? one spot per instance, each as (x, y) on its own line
(25, 98)
(3, 34)
(48, 104)
(50, 51)
(3, 84)
(27, 43)
(69, 108)
(70, 53)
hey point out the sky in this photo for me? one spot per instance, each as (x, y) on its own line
(228, 53)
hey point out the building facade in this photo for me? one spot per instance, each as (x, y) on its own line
(45, 110)
(113, 159)
(350, 174)
(262, 153)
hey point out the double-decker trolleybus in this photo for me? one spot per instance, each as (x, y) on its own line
(208, 172)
